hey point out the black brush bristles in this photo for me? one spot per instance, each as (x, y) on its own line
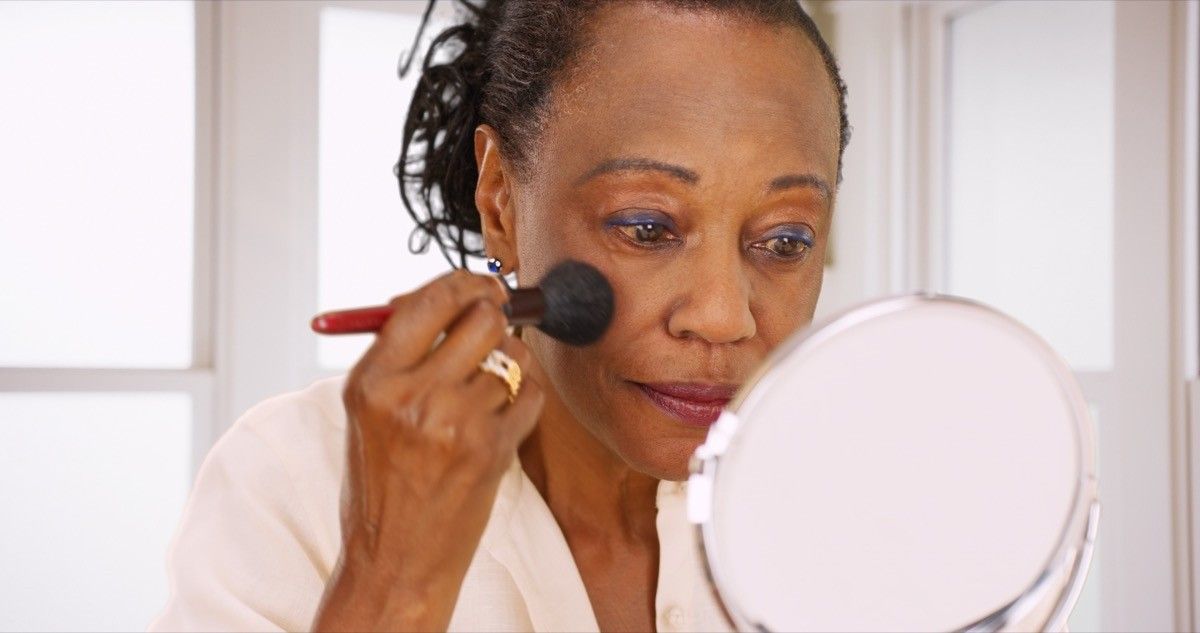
(579, 303)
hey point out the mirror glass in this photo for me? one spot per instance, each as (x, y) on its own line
(916, 464)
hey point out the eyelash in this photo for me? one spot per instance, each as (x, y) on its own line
(802, 243)
(633, 231)
(636, 230)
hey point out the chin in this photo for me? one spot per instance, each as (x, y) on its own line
(663, 457)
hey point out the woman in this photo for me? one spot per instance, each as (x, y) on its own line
(690, 150)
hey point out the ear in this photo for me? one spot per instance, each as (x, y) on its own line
(493, 199)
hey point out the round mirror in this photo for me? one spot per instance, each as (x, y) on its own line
(921, 463)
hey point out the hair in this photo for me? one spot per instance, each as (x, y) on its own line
(499, 67)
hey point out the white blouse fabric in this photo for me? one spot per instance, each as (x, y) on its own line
(260, 536)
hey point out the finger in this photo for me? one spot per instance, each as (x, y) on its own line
(488, 391)
(515, 349)
(518, 419)
(467, 343)
(418, 318)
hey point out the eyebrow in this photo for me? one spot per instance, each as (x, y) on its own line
(682, 174)
(800, 180)
(687, 176)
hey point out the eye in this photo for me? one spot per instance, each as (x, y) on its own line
(787, 246)
(646, 231)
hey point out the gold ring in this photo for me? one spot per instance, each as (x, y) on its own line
(505, 368)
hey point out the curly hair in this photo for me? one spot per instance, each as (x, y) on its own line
(498, 67)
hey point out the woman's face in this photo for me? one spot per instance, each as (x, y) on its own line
(692, 158)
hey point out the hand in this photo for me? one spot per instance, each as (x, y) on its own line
(429, 437)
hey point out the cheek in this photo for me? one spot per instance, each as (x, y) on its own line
(583, 385)
(549, 229)
(781, 308)
(641, 298)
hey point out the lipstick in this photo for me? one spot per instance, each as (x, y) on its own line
(696, 404)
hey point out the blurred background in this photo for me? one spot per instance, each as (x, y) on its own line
(183, 184)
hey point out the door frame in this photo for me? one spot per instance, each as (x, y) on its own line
(894, 57)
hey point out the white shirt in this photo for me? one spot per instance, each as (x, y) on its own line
(260, 536)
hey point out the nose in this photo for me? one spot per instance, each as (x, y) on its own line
(714, 303)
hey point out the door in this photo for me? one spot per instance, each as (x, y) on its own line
(1051, 200)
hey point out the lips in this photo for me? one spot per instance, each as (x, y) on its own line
(697, 404)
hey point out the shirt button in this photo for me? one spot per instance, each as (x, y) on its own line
(673, 618)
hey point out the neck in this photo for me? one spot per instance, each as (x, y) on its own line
(590, 491)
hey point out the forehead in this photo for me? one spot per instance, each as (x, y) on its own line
(700, 88)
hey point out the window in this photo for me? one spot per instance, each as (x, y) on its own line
(97, 143)
(102, 391)
(363, 231)
(93, 484)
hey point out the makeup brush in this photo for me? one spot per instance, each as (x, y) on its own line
(573, 303)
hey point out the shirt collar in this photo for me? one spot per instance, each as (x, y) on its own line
(524, 537)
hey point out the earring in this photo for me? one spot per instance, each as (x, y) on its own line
(494, 265)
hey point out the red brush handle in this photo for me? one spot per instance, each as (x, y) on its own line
(525, 307)
(353, 321)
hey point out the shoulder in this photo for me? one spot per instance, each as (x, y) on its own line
(295, 440)
(314, 413)
(287, 452)
(260, 534)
